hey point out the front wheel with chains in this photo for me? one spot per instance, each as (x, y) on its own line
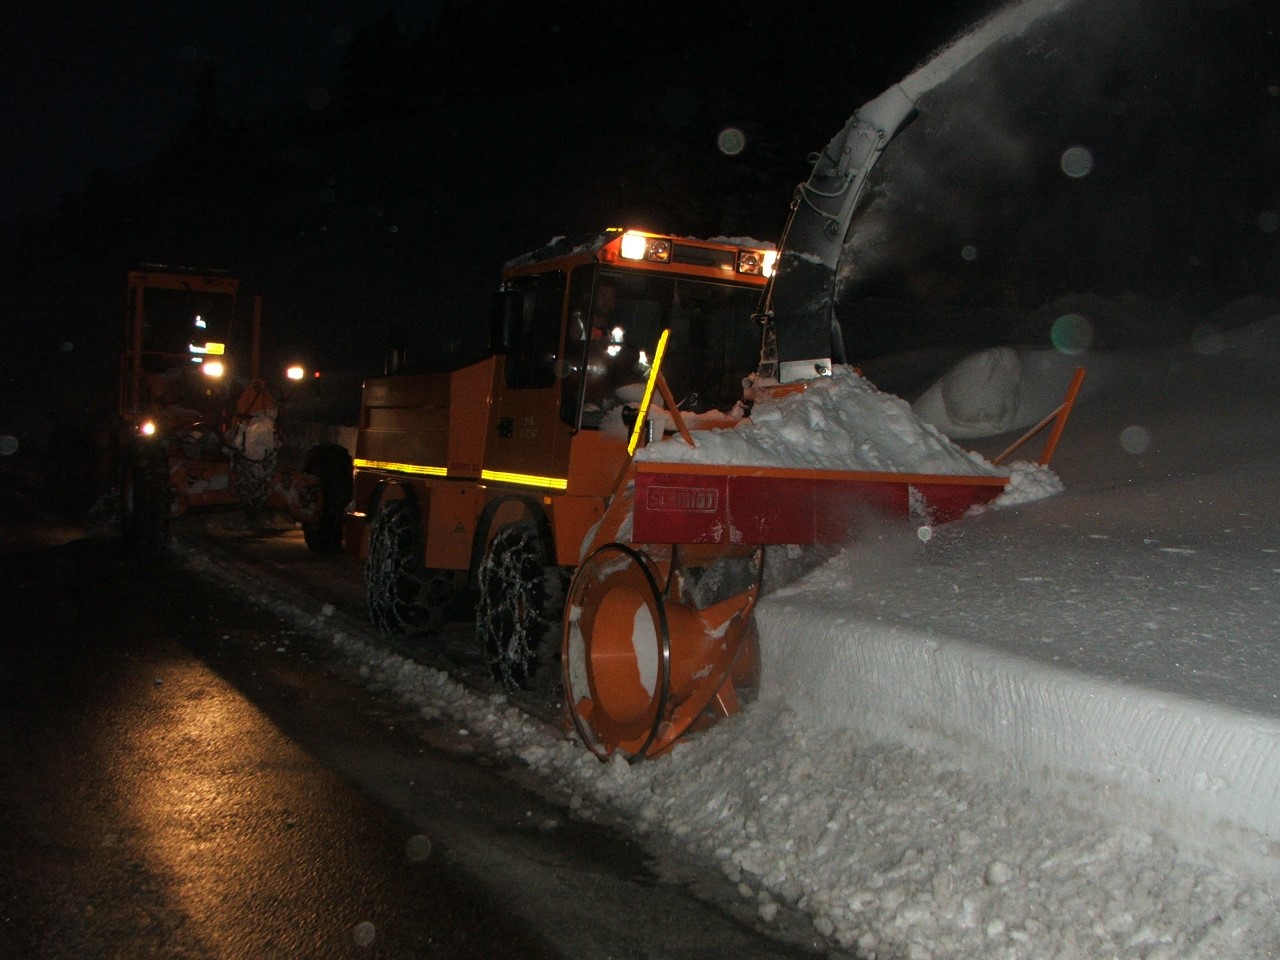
(519, 606)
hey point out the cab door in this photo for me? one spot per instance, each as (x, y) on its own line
(528, 443)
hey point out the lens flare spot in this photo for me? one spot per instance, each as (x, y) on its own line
(1071, 333)
(969, 252)
(1135, 439)
(418, 848)
(8, 445)
(731, 141)
(1076, 162)
(1269, 221)
(364, 933)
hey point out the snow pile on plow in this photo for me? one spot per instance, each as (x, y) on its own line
(841, 422)
(844, 423)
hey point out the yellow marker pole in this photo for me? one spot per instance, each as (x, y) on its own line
(648, 393)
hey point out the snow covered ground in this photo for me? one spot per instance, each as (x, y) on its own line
(1051, 729)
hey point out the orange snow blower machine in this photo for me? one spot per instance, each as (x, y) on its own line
(475, 489)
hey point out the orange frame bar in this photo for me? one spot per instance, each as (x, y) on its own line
(1059, 419)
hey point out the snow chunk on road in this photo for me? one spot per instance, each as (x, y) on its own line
(1028, 482)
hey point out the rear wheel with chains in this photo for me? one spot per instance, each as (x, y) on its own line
(406, 600)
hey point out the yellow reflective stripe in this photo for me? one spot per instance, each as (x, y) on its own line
(648, 392)
(401, 467)
(552, 483)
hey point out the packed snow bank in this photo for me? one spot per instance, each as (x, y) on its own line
(889, 850)
(1117, 641)
(1204, 773)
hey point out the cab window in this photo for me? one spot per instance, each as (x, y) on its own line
(615, 319)
(531, 361)
(614, 323)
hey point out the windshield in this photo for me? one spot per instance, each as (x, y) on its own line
(181, 324)
(614, 329)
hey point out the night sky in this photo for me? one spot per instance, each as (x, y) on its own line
(86, 87)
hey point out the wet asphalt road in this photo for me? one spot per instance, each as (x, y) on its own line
(183, 776)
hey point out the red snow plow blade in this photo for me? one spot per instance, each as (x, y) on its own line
(658, 637)
(697, 503)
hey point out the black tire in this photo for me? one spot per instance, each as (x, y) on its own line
(331, 465)
(144, 497)
(406, 600)
(519, 606)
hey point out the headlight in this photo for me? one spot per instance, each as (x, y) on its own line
(636, 246)
(212, 369)
(757, 263)
(295, 372)
(147, 428)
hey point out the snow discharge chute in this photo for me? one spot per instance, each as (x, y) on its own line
(800, 300)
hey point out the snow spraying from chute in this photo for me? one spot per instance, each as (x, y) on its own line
(1009, 22)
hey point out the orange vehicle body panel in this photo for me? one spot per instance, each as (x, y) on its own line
(534, 440)
(452, 518)
(405, 420)
(594, 460)
(572, 518)
(469, 399)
